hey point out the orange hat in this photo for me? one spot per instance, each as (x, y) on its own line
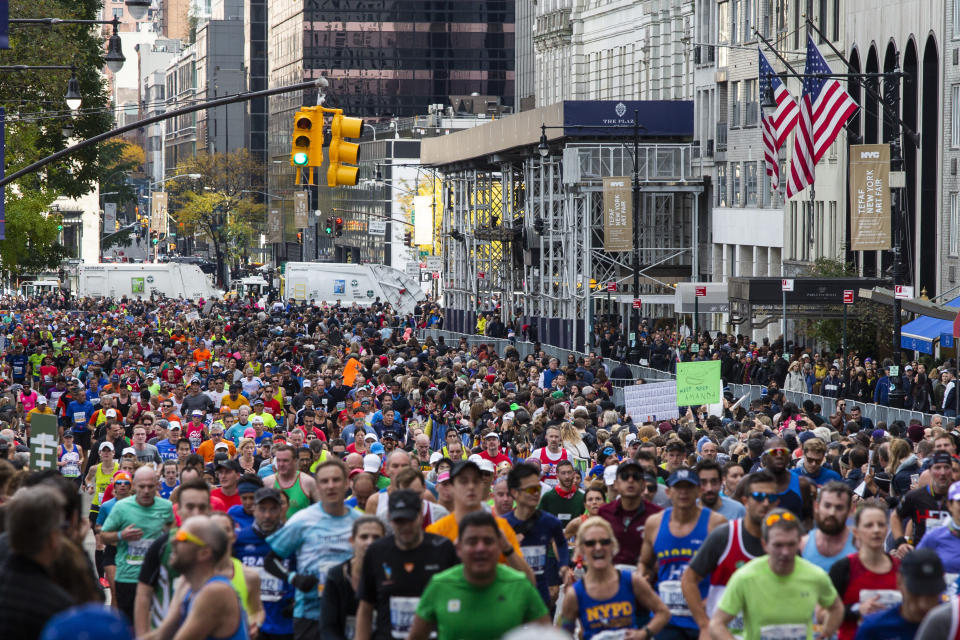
(122, 475)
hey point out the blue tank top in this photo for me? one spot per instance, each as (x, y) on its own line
(812, 554)
(618, 612)
(240, 633)
(791, 499)
(673, 554)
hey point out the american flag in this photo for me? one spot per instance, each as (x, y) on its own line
(777, 126)
(824, 108)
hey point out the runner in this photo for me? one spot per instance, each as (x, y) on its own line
(251, 549)
(397, 568)
(301, 488)
(670, 540)
(123, 487)
(727, 548)
(133, 525)
(796, 492)
(761, 587)
(607, 598)
(550, 455)
(480, 598)
(925, 507)
(319, 536)
(339, 604)
(831, 540)
(209, 606)
(247, 487)
(245, 580)
(565, 500)
(541, 534)
(628, 514)
(710, 475)
(921, 585)
(228, 473)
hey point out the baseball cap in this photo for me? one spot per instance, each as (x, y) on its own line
(443, 477)
(462, 466)
(128, 451)
(371, 463)
(307, 383)
(111, 413)
(267, 493)
(122, 475)
(248, 486)
(388, 435)
(922, 570)
(197, 412)
(940, 457)
(435, 457)
(256, 420)
(377, 448)
(258, 401)
(105, 445)
(232, 465)
(683, 475)
(42, 400)
(954, 492)
(108, 622)
(370, 437)
(221, 445)
(492, 434)
(404, 504)
(174, 425)
(486, 466)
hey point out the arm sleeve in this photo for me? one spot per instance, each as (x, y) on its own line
(708, 556)
(426, 606)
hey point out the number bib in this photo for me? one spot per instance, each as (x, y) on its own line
(536, 557)
(271, 587)
(402, 610)
(672, 596)
(137, 550)
(783, 632)
(886, 598)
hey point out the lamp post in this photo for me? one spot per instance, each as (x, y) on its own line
(114, 56)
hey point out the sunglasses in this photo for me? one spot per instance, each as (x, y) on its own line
(774, 518)
(651, 488)
(531, 491)
(603, 542)
(761, 496)
(185, 536)
(627, 476)
(777, 451)
(121, 483)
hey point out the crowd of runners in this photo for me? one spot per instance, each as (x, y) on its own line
(314, 471)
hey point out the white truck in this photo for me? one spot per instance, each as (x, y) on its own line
(170, 279)
(350, 283)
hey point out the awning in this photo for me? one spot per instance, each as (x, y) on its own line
(920, 334)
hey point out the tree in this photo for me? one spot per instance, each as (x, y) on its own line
(869, 324)
(219, 206)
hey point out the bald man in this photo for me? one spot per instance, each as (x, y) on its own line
(206, 604)
(132, 526)
(397, 460)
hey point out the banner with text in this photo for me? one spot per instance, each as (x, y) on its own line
(423, 211)
(698, 383)
(870, 197)
(301, 219)
(273, 226)
(158, 212)
(43, 443)
(651, 401)
(617, 214)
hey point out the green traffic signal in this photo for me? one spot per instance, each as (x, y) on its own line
(300, 159)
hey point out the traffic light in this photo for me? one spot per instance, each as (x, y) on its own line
(154, 238)
(343, 154)
(328, 227)
(300, 236)
(306, 152)
(407, 237)
(338, 227)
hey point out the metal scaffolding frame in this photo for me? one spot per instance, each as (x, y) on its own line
(495, 258)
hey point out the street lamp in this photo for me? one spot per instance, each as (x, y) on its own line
(115, 57)
(543, 148)
(73, 97)
(138, 8)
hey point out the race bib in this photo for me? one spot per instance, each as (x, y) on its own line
(137, 550)
(672, 596)
(783, 632)
(536, 557)
(350, 627)
(402, 610)
(886, 598)
(935, 522)
(79, 416)
(563, 517)
(271, 587)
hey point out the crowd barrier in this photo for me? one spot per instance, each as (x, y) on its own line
(876, 413)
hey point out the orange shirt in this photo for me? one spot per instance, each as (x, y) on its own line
(448, 527)
(206, 450)
(202, 355)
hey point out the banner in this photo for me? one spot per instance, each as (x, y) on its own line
(423, 220)
(617, 214)
(301, 220)
(651, 401)
(158, 211)
(698, 383)
(109, 217)
(870, 197)
(273, 226)
(43, 442)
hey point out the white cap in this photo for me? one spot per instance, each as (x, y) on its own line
(111, 413)
(609, 475)
(41, 399)
(370, 437)
(485, 465)
(105, 445)
(129, 450)
(256, 420)
(371, 463)
(307, 383)
(435, 457)
(221, 445)
(631, 437)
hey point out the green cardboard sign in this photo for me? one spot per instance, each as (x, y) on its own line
(43, 442)
(698, 383)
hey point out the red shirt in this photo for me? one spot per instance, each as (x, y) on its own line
(501, 457)
(627, 528)
(228, 501)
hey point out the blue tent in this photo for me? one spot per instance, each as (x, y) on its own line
(920, 334)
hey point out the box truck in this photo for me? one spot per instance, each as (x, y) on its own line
(170, 279)
(350, 283)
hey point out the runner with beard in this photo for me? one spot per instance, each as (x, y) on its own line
(831, 539)
(796, 492)
(711, 481)
(727, 548)
(925, 506)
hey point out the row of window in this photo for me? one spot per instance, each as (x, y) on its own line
(746, 184)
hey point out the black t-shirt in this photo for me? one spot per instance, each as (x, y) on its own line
(920, 505)
(393, 579)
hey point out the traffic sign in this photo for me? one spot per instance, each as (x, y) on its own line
(636, 303)
(434, 263)
(482, 275)
(377, 227)
(436, 276)
(786, 284)
(903, 292)
(611, 286)
(700, 292)
(848, 296)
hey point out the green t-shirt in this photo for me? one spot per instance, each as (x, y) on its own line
(464, 612)
(566, 509)
(151, 520)
(759, 593)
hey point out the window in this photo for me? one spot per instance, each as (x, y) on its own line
(955, 117)
(737, 200)
(118, 12)
(723, 32)
(722, 185)
(835, 34)
(956, 20)
(750, 197)
(822, 21)
(737, 11)
(750, 104)
(955, 224)
(735, 104)
(796, 24)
